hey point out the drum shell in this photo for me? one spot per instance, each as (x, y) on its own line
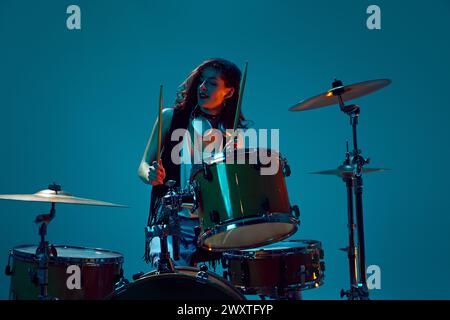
(262, 271)
(249, 193)
(233, 193)
(97, 278)
(180, 285)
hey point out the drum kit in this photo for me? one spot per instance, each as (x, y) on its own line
(245, 218)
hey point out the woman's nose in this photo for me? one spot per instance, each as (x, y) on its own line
(202, 87)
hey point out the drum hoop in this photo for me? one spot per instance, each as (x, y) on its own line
(237, 223)
(178, 272)
(312, 246)
(273, 290)
(30, 257)
(221, 156)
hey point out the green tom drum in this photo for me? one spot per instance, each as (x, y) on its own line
(243, 204)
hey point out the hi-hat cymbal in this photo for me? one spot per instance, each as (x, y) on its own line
(48, 195)
(349, 92)
(347, 171)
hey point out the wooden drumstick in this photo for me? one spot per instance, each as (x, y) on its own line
(158, 153)
(241, 94)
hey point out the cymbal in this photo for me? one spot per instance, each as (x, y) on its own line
(349, 92)
(347, 171)
(48, 195)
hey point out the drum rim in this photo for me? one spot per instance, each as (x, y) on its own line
(220, 156)
(276, 217)
(30, 257)
(271, 291)
(313, 245)
(155, 273)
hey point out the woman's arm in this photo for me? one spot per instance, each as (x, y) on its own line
(146, 167)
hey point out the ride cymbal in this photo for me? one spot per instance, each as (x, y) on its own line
(349, 92)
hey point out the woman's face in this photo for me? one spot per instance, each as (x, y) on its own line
(212, 91)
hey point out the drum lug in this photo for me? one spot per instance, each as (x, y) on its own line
(245, 272)
(315, 258)
(202, 275)
(302, 275)
(285, 167)
(224, 262)
(214, 216)
(295, 210)
(207, 172)
(266, 206)
(33, 277)
(53, 251)
(8, 270)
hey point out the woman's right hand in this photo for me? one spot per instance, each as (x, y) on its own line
(156, 173)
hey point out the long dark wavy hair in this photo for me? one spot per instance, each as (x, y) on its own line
(186, 100)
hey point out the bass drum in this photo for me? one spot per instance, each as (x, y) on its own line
(97, 271)
(186, 283)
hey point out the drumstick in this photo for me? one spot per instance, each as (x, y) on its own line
(158, 153)
(241, 94)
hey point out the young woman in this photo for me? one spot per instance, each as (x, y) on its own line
(207, 99)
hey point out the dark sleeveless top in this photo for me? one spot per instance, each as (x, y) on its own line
(180, 120)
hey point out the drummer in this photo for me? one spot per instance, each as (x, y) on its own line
(206, 102)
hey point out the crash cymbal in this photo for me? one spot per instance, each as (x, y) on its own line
(48, 195)
(347, 171)
(349, 92)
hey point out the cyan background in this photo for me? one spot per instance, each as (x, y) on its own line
(77, 108)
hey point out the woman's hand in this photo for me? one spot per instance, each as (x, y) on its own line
(156, 173)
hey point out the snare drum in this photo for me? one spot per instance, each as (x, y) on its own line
(277, 269)
(77, 273)
(238, 206)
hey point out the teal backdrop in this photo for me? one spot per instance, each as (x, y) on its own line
(77, 107)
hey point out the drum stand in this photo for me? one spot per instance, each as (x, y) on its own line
(165, 264)
(169, 224)
(354, 184)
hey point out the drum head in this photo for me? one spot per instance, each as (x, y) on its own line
(182, 285)
(243, 155)
(278, 248)
(72, 254)
(288, 245)
(249, 233)
(249, 236)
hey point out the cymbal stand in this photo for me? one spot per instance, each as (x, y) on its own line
(354, 184)
(44, 250)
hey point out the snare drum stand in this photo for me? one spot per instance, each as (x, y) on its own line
(165, 263)
(354, 183)
(168, 224)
